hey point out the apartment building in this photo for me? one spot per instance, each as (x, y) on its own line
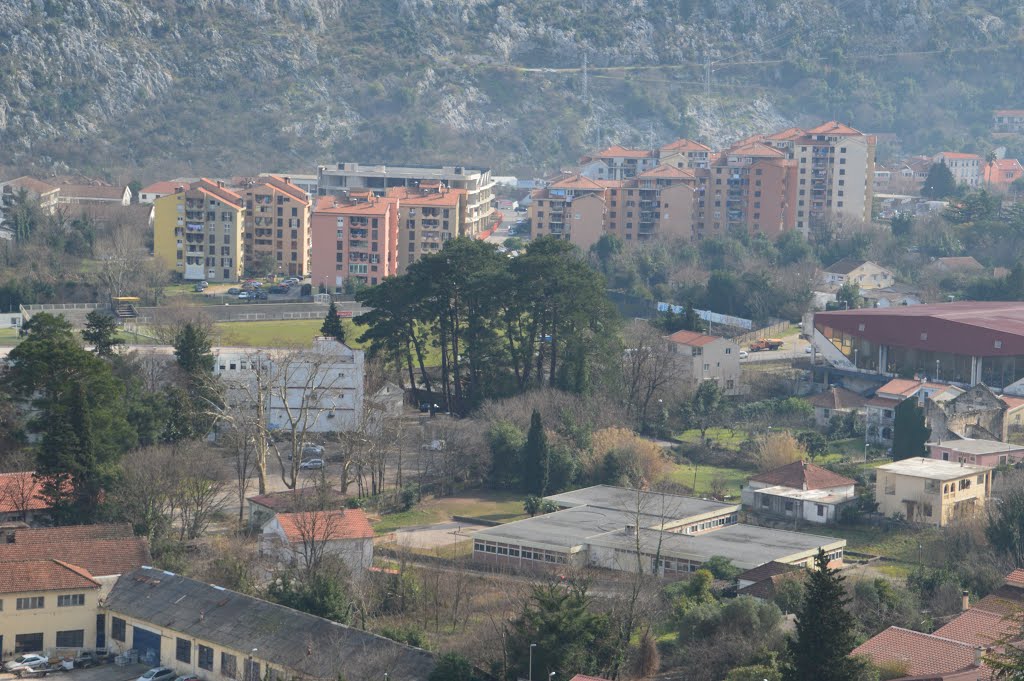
(749, 188)
(550, 205)
(354, 237)
(966, 168)
(684, 153)
(659, 201)
(701, 358)
(617, 163)
(427, 217)
(836, 175)
(1008, 120)
(477, 209)
(197, 231)
(932, 492)
(277, 215)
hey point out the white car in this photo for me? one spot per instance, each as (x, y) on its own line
(312, 465)
(744, 354)
(158, 674)
(243, 295)
(312, 450)
(809, 349)
(23, 662)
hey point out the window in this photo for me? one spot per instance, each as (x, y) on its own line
(926, 509)
(228, 666)
(117, 629)
(789, 505)
(728, 351)
(28, 643)
(821, 510)
(70, 600)
(71, 639)
(183, 650)
(31, 603)
(890, 486)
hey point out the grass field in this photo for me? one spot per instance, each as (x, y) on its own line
(731, 478)
(726, 438)
(494, 506)
(8, 337)
(280, 333)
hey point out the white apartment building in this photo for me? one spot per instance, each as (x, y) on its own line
(476, 212)
(320, 388)
(703, 358)
(966, 168)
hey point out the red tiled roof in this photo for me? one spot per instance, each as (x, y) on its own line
(31, 184)
(922, 653)
(576, 182)
(766, 571)
(617, 151)
(1012, 403)
(1009, 112)
(787, 134)
(212, 188)
(333, 205)
(43, 575)
(19, 492)
(665, 170)
(766, 588)
(449, 197)
(109, 549)
(286, 499)
(908, 387)
(755, 149)
(162, 187)
(980, 627)
(833, 128)
(691, 338)
(838, 398)
(1015, 578)
(1006, 600)
(803, 475)
(278, 183)
(349, 523)
(584, 677)
(959, 155)
(90, 191)
(685, 145)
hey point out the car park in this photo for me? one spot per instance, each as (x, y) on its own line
(312, 450)
(158, 674)
(312, 465)
(243, 295)
(234, 291)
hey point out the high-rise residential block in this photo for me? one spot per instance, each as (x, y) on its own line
(277, 215)
(197, 231)
(354, 237)
(427, 217)
(476, 212)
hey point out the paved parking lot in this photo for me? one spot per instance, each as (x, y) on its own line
(104, 672)
(436, 535)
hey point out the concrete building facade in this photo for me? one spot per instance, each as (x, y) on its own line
(932, 492)
(197, 232)
(277, 226)
(703, 358)
(354, 238)
(966, 168)
(427, 218)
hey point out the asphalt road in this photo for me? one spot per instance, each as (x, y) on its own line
(794, 347)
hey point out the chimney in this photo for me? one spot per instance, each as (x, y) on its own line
(220, 183)
(966, 596)
(631, 530)
(178, 190)
(978, 652)
(287, 180)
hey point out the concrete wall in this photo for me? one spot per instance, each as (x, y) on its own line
(931, 502)
(357, 554)
(48, 620)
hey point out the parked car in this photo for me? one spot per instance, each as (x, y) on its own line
(23, 662)
(158, 674)
(312, 450)
(809, 349)
(744, 354)
(279, 289)
(234, 291)
(243, 295)
(86, 659)
(259, 295)
(187, 677)
(312, 465)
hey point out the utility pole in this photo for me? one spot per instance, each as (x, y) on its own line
(707, 75)
(586, 79)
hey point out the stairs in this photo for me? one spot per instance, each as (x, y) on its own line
(125, 311)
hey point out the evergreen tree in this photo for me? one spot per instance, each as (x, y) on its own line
(940, 183)
(909, 430)
(332, 327)
(101, 332)
(452, 667)
(536, 458)
(825, 630)
(192, 348)
(195, 401)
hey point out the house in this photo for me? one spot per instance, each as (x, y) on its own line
(20, 500)
(702, 357)
(835, 401)
(977, 413)
(196, 628)
(956, 265)
(932, 492)
(384, 405)
(799, 491)
(982, 452)
(1014, 415)
(1002, 173)
(864, 273)
(96, 193)
(966, 168)
(891, 296)
(763, 582)
(622, 529)
(955, 650)
(262, 507)
(880, 410)
(158, 190)
(46, 195)
(1008, 120)
(305, 537)
(47, 606)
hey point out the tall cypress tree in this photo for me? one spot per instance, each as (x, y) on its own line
(536, 458)
(909, 430)
(825, 629)
(332, 327)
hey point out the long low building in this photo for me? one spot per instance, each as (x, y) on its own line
(629, 530)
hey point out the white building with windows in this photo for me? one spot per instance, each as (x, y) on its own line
(702, 357)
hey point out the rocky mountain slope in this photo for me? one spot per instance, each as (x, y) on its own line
(149, 87)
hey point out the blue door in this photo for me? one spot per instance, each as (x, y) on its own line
(147, 643)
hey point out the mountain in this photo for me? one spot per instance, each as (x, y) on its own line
(158, 87)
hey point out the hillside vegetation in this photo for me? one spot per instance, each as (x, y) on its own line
(151, 87)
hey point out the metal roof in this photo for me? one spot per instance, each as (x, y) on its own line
(304, 645)
(985, 329)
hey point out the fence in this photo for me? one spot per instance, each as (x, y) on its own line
(246, 313)
(772, 331)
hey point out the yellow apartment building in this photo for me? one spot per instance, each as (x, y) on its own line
(932, 492)
(197, 231)
(47, 606)
(277, 230)
(427, 217)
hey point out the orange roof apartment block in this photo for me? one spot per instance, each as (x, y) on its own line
(355, 239)
(427, 217)
(276, 228)
(1002, 173)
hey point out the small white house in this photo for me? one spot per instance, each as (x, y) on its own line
(801, 491)
(302, 539)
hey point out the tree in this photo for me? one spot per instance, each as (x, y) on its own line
(260, 264)
(704, 406)
(813, 442)
(505, 442)
(320, 593)
(825, 629)
(848, 296)
(940, 182)
(452, 667)
(332, 327)
(777, 449)
(569, 636)
(192, 349)
(1005, 525)
(536, 458)
(650, 372)
(902, 224)
(909, 430)
(101, 332)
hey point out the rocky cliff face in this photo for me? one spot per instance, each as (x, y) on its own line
(156, 86)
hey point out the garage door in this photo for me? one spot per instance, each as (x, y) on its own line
(147, 643)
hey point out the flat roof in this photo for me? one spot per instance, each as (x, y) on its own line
(933, 469)
(976, 446)
(675, 506)
(985, 329)
(821, 496)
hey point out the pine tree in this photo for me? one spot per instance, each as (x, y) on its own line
(101, 332)
(536, 457)
(940, 182)
(332, 327)
(909, 430)
(825, 630)
(192, 348)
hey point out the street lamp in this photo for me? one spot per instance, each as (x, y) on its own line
(252, 665)
(936, 370)
(866, 445)
(532, 646)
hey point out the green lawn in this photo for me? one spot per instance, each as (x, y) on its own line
(8, 337)
(852, 447)
(280, 333)
(494, 506)
(732, 478)
(726, 438)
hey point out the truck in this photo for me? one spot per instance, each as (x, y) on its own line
(765, 344)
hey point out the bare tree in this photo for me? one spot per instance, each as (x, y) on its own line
(174, 316)
(146, 494)
(241, 443)
(201, 492)
(649, 371)
(121, 262)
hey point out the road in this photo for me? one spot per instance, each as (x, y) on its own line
(792, 348)
(504, 232)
